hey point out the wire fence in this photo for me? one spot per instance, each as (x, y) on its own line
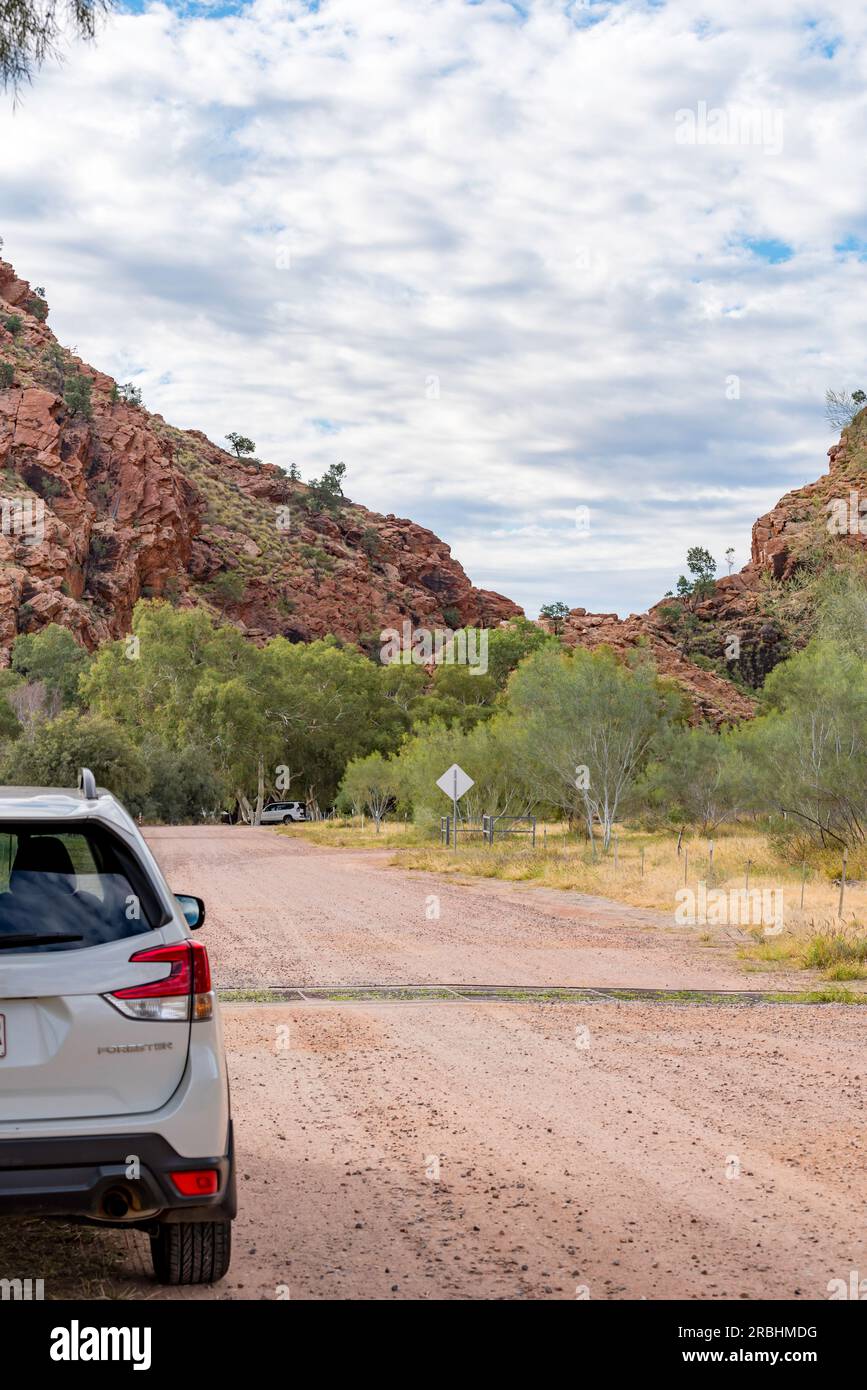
(525, 833)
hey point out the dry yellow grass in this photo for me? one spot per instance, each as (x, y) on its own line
(345, 834)
(561, 863)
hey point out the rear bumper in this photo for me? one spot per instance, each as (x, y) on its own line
(90, 1177)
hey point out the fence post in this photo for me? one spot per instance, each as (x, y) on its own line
(842, 883)
(642, 861)
(710, 861)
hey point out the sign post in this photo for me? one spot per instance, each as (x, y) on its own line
(455, 782)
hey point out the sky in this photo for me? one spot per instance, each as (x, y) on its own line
(565, 282)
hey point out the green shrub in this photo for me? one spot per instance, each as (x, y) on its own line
(370, 542)
(829, 951)
(53, 657)
(49, 486)
(13, 324)
(7, 375)
(182, 786)
(54, 368)
(325, 494)
(76, 396)
(316, 558)
(57, 749)
(228, 587)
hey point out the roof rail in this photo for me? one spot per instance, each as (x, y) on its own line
(87, 784)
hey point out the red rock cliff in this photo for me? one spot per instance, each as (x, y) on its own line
(742, 614)
(132, 506)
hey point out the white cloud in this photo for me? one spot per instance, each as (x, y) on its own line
(461, 250)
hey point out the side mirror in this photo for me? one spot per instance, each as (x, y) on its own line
(193, 910)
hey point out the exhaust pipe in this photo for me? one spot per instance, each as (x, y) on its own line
(116, 1203)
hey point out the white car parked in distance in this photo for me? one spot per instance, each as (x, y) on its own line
(114, 1096)
(283, 812)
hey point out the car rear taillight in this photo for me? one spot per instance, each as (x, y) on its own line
(188, 981)
(197, 1182)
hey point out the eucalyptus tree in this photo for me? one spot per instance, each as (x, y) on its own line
(586, 724)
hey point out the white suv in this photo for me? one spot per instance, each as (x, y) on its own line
(283, 812)
(114, 1098)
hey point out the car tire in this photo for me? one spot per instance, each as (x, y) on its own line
(190, 1252)
(287, 820)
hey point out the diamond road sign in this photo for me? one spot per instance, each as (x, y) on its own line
(455, 782)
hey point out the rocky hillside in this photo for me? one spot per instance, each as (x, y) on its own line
(721, 648)
(715, 699)
(134, 507)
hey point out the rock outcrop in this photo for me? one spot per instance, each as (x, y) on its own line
(714, 699)
(737, 629)
(104, 502)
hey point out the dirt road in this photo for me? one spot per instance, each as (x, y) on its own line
(282, 911)
(509, 1150)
